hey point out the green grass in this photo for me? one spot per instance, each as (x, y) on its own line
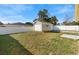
(46, 43)
(10, 46)
(38, 43)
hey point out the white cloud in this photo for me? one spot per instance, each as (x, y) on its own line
(64, 10)
(11, 13)
(14, 9)
(12, 19)
(23, 7)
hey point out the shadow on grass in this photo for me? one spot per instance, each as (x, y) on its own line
(51, 31)
(10, 46)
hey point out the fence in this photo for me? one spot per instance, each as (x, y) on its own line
(65, 28)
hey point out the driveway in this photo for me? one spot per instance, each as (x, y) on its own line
(9, 30)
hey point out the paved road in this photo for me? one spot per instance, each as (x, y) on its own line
(70, 36)
(9, 30)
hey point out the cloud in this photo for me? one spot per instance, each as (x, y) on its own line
(14, 13)
(64, 10)
(26, 12)
(12, 19)
(14, 8)
(22, 7)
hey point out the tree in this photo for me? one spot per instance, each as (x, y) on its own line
(74, 23)
(70, 23)
(43, 15)
(65, 23)
(35, 20)
(67, 19)
(53, 20)
(58, 23)
(29, 23)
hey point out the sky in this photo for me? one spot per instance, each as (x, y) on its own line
(11, 13)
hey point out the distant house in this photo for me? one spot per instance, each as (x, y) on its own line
(43, 26)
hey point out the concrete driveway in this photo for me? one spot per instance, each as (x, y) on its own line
(9, 30)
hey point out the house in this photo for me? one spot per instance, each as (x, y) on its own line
(43, 26)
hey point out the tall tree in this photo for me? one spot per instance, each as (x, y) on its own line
(43, 15)
(53, 20)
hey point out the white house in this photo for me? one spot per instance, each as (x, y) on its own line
(43, 26)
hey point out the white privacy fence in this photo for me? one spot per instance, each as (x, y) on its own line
(65, 28)
(51, 27)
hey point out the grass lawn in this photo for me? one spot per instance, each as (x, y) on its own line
(10, 46)
(44, 43)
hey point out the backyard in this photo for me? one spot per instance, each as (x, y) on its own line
(37, 43)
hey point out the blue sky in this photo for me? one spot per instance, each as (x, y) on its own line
(10, 13)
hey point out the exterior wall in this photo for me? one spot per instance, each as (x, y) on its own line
(43, 27)
(65, 28)
(47, 27)
(38, 27)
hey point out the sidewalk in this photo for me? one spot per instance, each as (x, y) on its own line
(70, 36)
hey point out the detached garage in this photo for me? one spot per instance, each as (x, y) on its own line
(43, 26)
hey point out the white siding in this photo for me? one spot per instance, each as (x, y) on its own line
(65, 28)
(38, 27)
(43, 27)
(47, 27)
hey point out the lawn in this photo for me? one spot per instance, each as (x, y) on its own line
(10, 46)
(37, 43)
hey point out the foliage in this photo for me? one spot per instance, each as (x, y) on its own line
(70, 23)
(65, 23)
(28, 23)
(44, 17)
(43, 14)
(74, 23)
(53, 20)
